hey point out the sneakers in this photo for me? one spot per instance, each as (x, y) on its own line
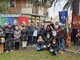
(6, 51)
(11, 50)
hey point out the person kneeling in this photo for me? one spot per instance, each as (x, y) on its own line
(39, 44)
(53, 48)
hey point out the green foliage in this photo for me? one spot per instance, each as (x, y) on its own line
(3, 5)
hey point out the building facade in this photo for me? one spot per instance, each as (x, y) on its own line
(35, 10)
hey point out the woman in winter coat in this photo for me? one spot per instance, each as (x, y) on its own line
(49, 30)
(24, 37)
(17, 35)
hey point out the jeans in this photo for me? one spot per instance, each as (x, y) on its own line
(34, 40)
(62, 44)
(78, 45)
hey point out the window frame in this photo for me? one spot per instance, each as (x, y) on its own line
(14, 4)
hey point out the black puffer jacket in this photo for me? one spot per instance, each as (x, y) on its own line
(42, 32)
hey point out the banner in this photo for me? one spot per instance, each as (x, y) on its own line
(3, 21)
(76, 22)
(63, 15)
(10, 20)
(23, 19)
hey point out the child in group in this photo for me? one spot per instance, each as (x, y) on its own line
(78, 36)
(53, 47)
(47, 41)
(39, 44)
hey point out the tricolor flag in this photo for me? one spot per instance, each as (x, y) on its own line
(68, 34)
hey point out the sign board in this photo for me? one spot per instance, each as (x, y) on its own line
(10, 15)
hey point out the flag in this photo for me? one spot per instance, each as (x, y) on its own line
(23, 19)
(67, 29)
(62, 16)
(68, 34)
(10, 20)
(3, 21)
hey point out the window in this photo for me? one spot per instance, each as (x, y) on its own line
(12, 3)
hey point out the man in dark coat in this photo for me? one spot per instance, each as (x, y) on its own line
(62, 36)
(42, 32)
(9, 38)
(29, 35)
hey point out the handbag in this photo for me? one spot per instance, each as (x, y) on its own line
(2, 40)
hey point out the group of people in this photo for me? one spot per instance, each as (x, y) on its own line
(55, 39)
(14, 36)
(52, 37)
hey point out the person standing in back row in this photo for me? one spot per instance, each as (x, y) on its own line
(17, 35)
(34, 37)
(24, 37)
(9, 38)
(42, 32)
(29, 35)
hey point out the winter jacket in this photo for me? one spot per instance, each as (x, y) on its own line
(24, 35)
(29, 31)
(9, 32)
(42, 32)
(54, 46)
(17, 35)
(62, 34)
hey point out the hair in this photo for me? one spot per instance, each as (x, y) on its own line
(40, 39)
(54, 40)
(16, 27)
